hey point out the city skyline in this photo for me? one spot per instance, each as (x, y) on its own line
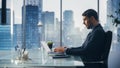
(77, 6)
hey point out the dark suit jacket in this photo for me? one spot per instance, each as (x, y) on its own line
(93, 46)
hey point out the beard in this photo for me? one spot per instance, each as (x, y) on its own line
(90, 26)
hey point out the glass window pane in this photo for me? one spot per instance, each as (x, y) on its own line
(74, 31)
(5, 21)
(51, 20)
(17, 20)
(49, 15)
(103, 12)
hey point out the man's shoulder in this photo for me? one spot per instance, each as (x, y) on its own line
(99, 29)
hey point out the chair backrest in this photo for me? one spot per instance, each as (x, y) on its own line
(108, 41)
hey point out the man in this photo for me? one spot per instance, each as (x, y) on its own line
(93, 46)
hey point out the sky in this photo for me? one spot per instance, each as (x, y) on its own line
(77, 6)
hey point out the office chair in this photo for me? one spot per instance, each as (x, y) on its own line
(108, 41)
(103, 60)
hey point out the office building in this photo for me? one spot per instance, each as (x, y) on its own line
(5, 32)
(38, 3)
(17, 35)
(68, 21)
(68, 26)
(30, 27)
(5, 37)
(48, 25)
(57, 31)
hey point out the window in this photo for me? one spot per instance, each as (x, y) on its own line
(5, 21)
(73, 32)
(28, 13)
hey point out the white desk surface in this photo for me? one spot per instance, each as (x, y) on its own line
(37, 59)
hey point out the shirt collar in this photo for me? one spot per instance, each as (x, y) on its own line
(95, 26)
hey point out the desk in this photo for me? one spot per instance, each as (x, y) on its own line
(37, 59)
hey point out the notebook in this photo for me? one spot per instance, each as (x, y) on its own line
(53, 54)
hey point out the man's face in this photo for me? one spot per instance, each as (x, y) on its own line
(87, 22)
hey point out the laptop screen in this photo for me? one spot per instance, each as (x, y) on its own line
(45, 46)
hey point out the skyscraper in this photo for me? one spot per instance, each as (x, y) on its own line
(38, 3)
(48, 25)
(68, 22)
(5, 37)
(5, 32)
(57, 31)
(31, 34)
(17, 35)
(68, 25)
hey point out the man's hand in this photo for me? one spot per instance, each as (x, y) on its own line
(59, 49)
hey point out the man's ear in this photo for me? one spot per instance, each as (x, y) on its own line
(92, 18)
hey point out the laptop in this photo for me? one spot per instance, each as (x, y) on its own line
(45, 46)
(53, 54)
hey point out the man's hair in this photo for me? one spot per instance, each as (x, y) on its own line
(90, 12)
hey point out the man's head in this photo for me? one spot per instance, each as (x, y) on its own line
(90, 18)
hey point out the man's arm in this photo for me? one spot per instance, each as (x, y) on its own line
(93, 46)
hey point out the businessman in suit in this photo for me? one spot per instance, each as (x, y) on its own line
(93, 46)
